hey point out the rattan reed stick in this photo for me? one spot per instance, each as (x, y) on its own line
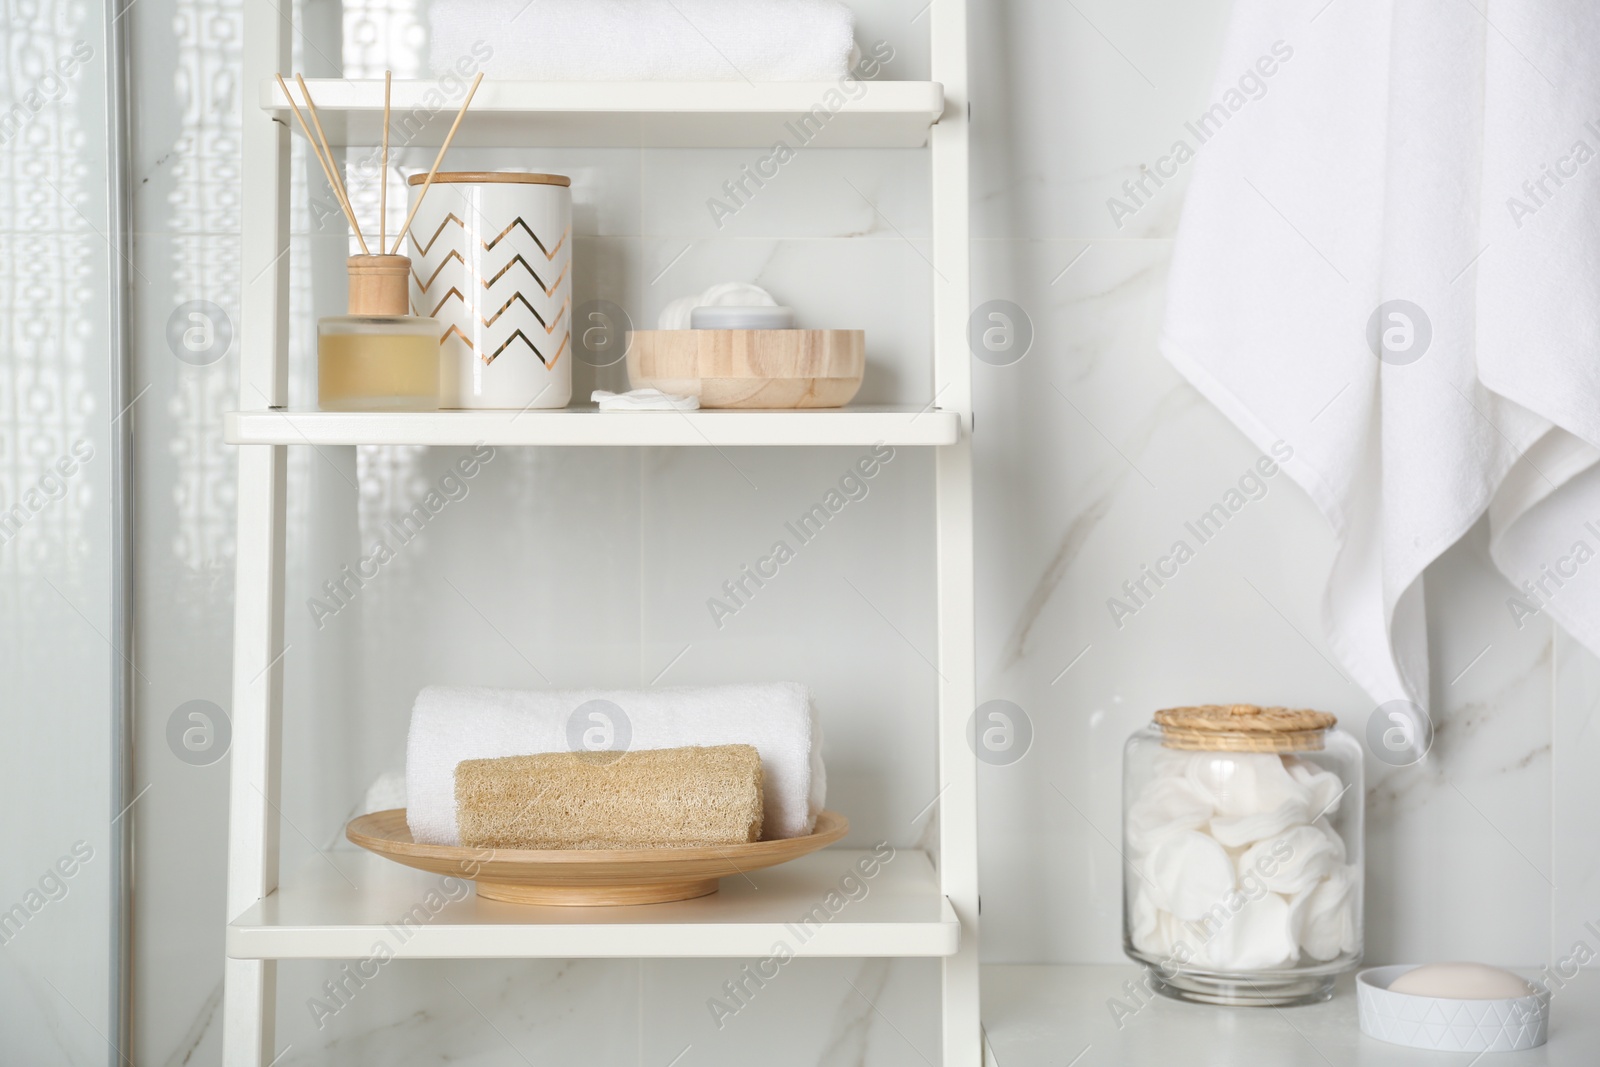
(316, 150)
(383, 189)
(398, 241)
(333, 170)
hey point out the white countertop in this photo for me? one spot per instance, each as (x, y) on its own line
(1059, 1016)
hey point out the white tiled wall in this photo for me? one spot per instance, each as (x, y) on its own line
(593, 566)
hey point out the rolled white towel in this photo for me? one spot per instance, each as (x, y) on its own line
(451, 724)
(645, 40)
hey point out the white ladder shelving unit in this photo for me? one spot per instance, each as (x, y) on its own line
(924, 906)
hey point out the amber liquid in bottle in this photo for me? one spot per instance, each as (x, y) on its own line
(378, 363)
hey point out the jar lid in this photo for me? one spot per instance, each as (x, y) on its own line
(1243, 728)
(488, 177)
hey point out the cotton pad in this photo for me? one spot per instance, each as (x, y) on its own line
(1323, 787)
(1190, 873)
(1256, 937)
(1146, 926)
(1244, 783)
(1333, 836)
(1174, 763)
(1323, 918)
(1293, 861)
(1236, 831)
(1167, 805)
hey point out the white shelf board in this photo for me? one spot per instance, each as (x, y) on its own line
(345, 902)
(589, 426)
(1035, 1015)
(884, 114)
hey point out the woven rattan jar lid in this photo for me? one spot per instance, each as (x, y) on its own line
(1243, 728)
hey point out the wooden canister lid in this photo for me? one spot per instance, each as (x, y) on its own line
(485, 177)
(1243, 728)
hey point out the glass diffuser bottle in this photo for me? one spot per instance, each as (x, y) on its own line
(378, 358)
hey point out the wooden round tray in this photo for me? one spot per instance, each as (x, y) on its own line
(588, 877)
(750, 368)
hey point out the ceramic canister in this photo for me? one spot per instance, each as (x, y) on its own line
(491, 257)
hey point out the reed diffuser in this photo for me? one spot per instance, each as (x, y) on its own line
(378, 357)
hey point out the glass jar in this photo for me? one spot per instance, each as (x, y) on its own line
(1242, 870)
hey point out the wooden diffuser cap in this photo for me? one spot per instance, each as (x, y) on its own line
(378, 285)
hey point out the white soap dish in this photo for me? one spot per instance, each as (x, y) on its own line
(1445, 1024)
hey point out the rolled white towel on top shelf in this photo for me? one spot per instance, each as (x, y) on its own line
(644, 40)
(450, 724)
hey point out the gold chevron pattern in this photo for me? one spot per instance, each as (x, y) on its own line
(498, 320)
(490, 357)
(548, 291)
(426, 285)
(518, 297)
(548, 363)
(549, 253)
(445, 300)
(448, 219)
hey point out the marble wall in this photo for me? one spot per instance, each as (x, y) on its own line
(568, 567)
(1092, 452)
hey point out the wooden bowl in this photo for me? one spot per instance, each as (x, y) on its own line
(588, 877)
(751, 368)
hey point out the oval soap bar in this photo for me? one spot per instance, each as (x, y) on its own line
(1461, 981)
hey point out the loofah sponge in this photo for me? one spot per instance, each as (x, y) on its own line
(651, 798)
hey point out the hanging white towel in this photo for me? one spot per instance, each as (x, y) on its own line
(645, 40)
(1383, 161)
